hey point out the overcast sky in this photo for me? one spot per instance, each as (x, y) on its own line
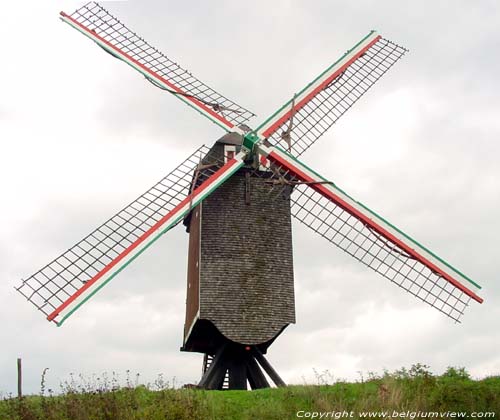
(82, 135)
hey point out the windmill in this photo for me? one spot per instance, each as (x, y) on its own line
(236, 200)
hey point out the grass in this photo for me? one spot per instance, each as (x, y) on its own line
(413, 390)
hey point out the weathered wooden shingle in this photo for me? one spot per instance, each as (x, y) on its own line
(245, 260)
(246, 266)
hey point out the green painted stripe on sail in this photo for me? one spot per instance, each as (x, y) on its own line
(165, 230)
(384, 220)
(314, 81)
(112, 276)
(417, 243)
(113, 53)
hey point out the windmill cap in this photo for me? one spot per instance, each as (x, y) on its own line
(234, 138)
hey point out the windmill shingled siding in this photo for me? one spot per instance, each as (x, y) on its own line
(246, 264)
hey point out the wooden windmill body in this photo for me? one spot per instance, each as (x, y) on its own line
(238, 299)
(236, 200)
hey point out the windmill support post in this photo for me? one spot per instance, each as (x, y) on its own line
(19, 378)
(239, 364)
(268, 368)
(256, 378)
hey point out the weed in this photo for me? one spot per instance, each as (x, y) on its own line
(102, 397)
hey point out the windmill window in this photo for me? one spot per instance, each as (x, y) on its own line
(229, 152)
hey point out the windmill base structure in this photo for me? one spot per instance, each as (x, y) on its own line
(238, 302)
(235, 365)
(236, 200)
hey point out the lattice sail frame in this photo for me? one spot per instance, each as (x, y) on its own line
(63, 285)
(312, 111)
(107, 31)
(370, 239)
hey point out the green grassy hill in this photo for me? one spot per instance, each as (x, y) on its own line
(412, 393)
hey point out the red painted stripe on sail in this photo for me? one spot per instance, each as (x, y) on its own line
(152, 73)
(320, 188)
(320, 87)
(141, 239)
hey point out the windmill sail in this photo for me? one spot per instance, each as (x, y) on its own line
(370, 239)
(307, 116)
(64, 284)
(108, 32)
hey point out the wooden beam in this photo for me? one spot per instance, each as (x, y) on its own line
(256, 378)
(268, 368)
(19, 378)
(212, 374)
(238, 373)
